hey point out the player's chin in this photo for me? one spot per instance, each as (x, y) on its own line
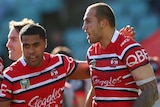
(89, 41)
(33, 64)
(92, 41)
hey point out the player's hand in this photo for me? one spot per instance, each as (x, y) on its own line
(128, 31)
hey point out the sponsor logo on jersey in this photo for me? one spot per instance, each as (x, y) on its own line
(138, 57)
(48, 101)
(110, 82)
(25, 83)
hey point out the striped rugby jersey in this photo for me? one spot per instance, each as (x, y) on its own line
(37, 87)
(1, 68)
(111, 71)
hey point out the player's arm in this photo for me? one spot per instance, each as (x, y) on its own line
(145, 79)
(3, 100)
(89, 98)
(5, 103)
(81, 72)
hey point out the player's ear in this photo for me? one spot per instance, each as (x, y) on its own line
(45, 43)
(104, 23)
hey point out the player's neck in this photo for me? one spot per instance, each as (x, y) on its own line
(107, 38)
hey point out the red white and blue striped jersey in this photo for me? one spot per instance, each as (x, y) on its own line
(1, 70)
(111, 69)
(37, 87)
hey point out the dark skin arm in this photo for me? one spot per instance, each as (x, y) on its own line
(149, 90)
(81, 72)
(148, 96)
(5, 103)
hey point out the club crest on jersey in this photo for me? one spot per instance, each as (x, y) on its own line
(54, 73)
(25, 83)
(93, 62)
(114, 62)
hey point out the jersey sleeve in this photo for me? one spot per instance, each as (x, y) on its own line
(71, 64)
(135, 56)
(6, 87)
(1, 68)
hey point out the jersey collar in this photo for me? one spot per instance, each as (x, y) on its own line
(21, 59)
(115, 36)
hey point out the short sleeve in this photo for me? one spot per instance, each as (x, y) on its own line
(6, 88)
(70, 63)
(1, 68)
(135, 56)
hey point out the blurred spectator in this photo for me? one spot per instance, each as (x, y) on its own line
(55, 39)
(155, 6)
(156, 67)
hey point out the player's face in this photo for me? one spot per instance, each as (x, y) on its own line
(33, 48)
(91, 26)
(13, 45)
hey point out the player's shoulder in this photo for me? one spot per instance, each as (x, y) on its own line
(124, 43)
(57, 58)
(13, 68)
(93, 47)
(52, 56)
(1, 65)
